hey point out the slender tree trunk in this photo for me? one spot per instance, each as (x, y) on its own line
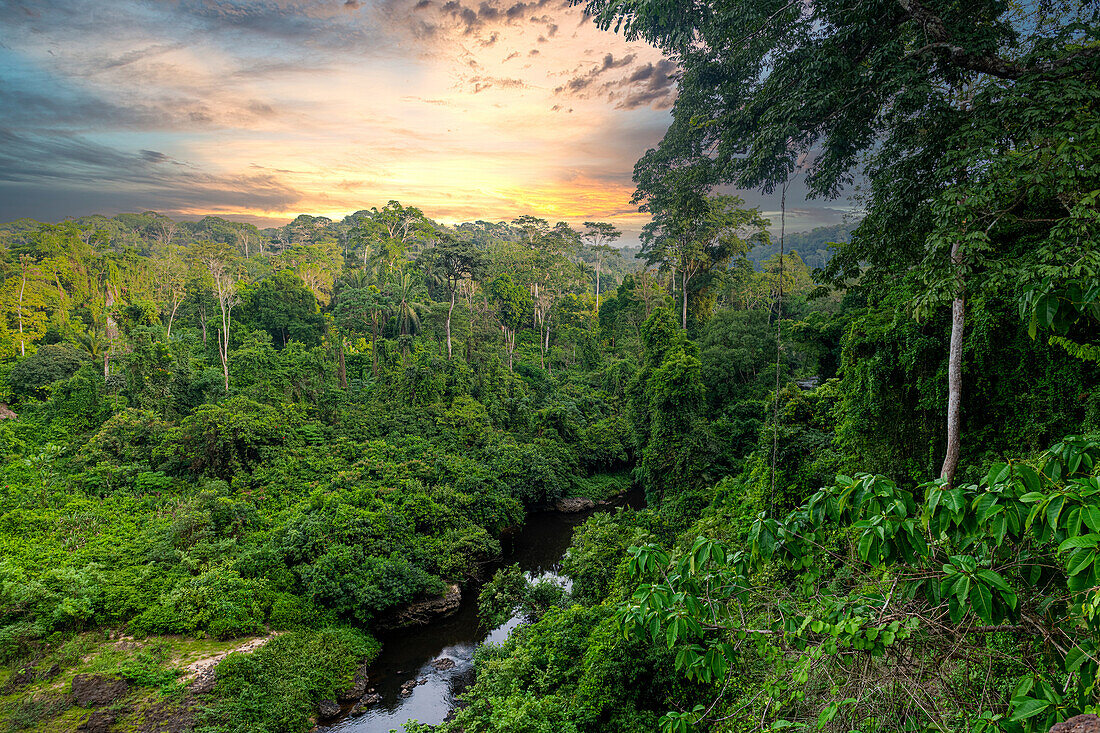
(341, 368)
(684, 289)
(954, 372)
(112, 332)
(172, 317)
(22, 346)
(223, 357)
(449, 312)
(374, 350)
(597, 284)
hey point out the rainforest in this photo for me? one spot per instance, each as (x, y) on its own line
(529, 475)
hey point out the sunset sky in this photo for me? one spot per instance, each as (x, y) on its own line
(263, 110)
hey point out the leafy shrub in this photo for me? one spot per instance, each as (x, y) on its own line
(350, 582)
(47, 365)
(219, 601)
(223, 439)
(276, 688)
(130, 436)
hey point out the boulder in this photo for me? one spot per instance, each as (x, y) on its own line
(574, 504)
(424, 612)
(328, 709)
(358, 687)
(95, 690)
(361, 707)
(443, 663)
(203, 684)
(1078, 724)
(98, 722)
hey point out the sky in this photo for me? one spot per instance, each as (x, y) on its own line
(260, 110)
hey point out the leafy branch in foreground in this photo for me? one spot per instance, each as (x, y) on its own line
(871, 605)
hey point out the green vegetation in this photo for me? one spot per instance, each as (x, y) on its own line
(873, 487)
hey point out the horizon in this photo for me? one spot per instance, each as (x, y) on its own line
(263, 110)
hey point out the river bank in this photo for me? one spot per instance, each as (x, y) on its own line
(438, 657)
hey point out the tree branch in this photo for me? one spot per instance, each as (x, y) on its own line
(944, 44)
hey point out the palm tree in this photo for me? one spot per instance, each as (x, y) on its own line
(408, 316)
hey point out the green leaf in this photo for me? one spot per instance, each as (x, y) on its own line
(1086, 540)
(1029, 477)
(1054, 510)
(1080, 562)
(982, 600)
(1029, 708)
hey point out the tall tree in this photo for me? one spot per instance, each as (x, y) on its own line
(600, 235)
(220, 263)
(452, 261)
(891, 90)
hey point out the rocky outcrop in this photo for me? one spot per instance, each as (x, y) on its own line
(328, 710)
(369, 700)
(95, 690)
(98, 722)
(423, 612)
(574, 504)
(1078, 724)
(358, 686)
(407, 688)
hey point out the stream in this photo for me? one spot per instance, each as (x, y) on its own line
(538, 548)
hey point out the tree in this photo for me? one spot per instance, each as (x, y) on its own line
(220, 263)
(693, 233)
(171, 282)
(513, 302)
(895, 90)
(362, 309)
(284, 307)
(600, 235)
(451, 261)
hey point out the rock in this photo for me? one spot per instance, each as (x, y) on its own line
(328, 709)
(443, 663)
(98, 722)
(366, 702)
(6, 413)
(95, 690)
(28, 675)
(358, 685)
(574, 504)
(203, 684)
(1078, 724)
(423, 612)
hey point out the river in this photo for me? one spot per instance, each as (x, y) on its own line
(408, 654)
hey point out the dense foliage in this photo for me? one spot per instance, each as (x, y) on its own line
(212, 431)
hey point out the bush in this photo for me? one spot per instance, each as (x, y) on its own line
(276, 688)
(223, 439)
(219, 602)
(49, 364)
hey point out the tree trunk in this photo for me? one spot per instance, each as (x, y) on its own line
(684, 288)
(22, 346)
(954, 372)
(597, 285)
(341, 368)
(222, 346)
(449, 312)
(171, 317)
(111, 332)
(374, 350)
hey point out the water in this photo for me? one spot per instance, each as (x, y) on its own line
(408, 654)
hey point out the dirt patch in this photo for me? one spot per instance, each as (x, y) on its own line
(96, 690)
(203, 666)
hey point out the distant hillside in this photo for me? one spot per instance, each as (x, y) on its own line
(812, 246)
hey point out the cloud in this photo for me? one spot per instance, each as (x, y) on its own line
(267, 108)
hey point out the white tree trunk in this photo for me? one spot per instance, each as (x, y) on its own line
(954, 374)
